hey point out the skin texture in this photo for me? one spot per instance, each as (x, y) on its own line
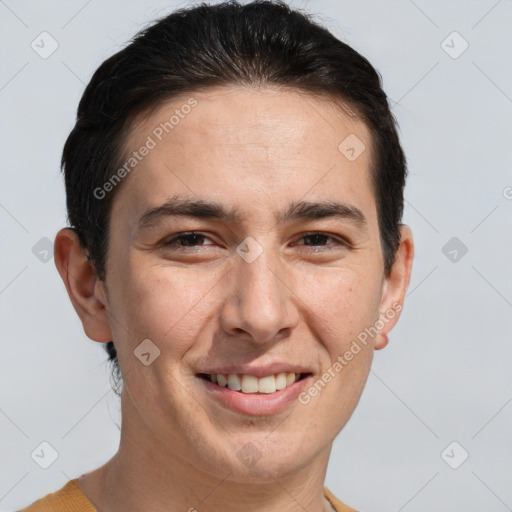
(299, 302)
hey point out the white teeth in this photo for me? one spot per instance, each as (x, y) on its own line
(234, 382)
(249, 384)
(267, 384)
(281, 381)
(253, 384)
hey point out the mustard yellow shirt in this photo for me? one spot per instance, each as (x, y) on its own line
(71, 499)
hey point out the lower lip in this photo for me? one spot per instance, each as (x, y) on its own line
(256, 404)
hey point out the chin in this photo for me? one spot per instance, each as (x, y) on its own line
(261, 457)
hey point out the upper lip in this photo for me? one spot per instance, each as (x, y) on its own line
(257, 371)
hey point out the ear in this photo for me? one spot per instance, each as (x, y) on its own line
(85, 290)
(395, 286)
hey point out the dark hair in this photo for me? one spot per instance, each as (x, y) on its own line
(261, 43)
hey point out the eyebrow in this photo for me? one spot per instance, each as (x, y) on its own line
(202, 209)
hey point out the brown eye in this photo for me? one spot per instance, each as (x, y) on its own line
(318, 239)
(185, 241)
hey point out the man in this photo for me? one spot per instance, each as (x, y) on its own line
(235, 190)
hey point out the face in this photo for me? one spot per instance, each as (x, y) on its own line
(244, 246)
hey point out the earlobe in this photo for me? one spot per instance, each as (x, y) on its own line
(84, 288)
(381, 341)
(395, 286)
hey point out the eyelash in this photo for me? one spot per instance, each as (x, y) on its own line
(187, 235)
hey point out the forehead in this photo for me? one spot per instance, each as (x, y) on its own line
(249, 147)
(242, 115)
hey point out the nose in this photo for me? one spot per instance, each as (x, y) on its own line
(261, 304)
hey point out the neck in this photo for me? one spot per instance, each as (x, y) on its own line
(146, 474)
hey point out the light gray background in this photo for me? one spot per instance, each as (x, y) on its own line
(446, 374)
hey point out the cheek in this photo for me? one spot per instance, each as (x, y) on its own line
(167, 305)
(342, 302)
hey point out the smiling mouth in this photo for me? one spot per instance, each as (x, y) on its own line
(251, 384)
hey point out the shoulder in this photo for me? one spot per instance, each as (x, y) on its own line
(69, 498)
(336, 503)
